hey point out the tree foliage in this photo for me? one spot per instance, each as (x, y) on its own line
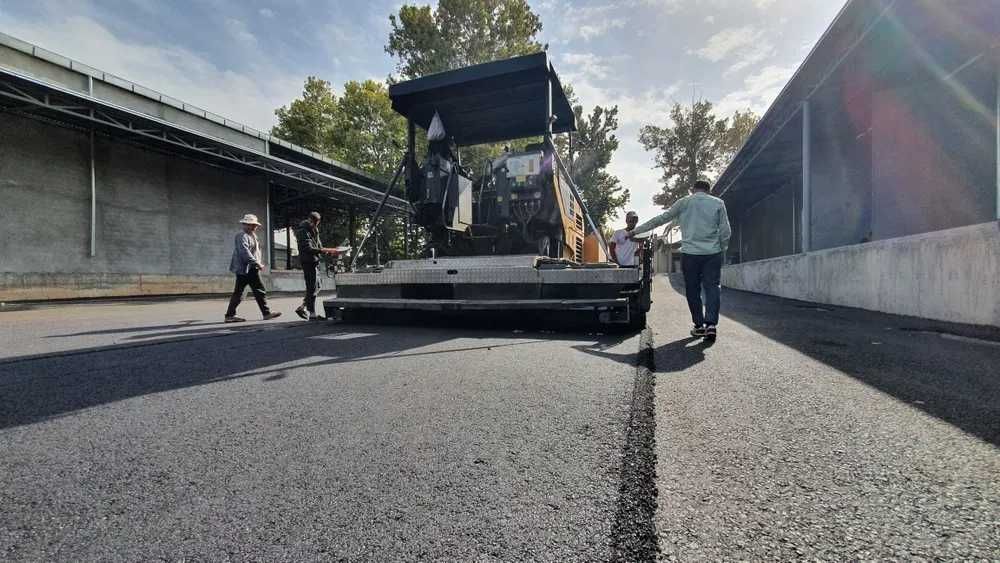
(594, 144)
(368, 134)
(459, 33)
(309, 121)
(697, 145)
(359, 129)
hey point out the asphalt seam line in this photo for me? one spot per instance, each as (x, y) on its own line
(633, 532)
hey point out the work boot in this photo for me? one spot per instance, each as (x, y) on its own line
(301, 312)
(235, 319)
(271, 315)
(698, 331)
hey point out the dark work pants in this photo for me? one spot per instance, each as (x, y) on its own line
(256, 286)
(703, 272)
(309, 270)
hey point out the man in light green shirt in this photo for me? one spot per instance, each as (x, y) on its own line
(705, 236)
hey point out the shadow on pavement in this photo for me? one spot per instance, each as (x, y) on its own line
(953, 380)
(165, 327)
(34, 389)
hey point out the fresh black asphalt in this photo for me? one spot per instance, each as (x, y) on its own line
(141, 431)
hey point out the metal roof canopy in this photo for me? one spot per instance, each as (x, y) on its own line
(31, 97)
(489, 102)
(844, 41)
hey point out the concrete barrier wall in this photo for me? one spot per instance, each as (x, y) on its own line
(165, 225)
(951, 275)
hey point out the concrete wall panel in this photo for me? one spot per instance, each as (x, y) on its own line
(949, 275)
(164, 224)
(217, 130)
(45, 70)
(44, 201)
(841, 171)
(769, 228)
(934, 155)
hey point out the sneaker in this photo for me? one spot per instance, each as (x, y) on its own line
(698, 331)
(235, 319)
(270, 316)
(301, 312)
(316, 318)
(710, 333)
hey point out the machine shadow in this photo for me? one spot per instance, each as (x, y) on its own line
(905, 357)
(34, 389)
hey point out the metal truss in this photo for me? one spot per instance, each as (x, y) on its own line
(26, 95)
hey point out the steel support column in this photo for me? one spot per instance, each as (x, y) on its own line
(352, 228)
(93, 182)
(548, 109)
(806, 177)
(288, 244)
(270, 229)
(739, 238)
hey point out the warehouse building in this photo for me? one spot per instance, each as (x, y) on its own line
(873, 180)
(111, 189)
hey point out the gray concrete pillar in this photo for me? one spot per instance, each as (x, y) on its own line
(997, 117)
(806, 177)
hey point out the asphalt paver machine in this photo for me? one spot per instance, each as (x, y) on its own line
(510, 234)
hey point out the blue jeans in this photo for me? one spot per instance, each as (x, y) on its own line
(703, 272)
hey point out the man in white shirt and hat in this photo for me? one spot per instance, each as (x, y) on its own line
(623, 247)
(247, 264)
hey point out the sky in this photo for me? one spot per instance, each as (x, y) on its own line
(242, 59)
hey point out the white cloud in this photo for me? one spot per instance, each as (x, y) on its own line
(710, 19)
(652, 105)
(746, 46)
(763, 4)
(758, 92)
(266, 12)
(667, 6)
(727, 41)
(588, 22)
(172, 70)
(590, 31)
(751, 55)
(238, 31)
(591, 66)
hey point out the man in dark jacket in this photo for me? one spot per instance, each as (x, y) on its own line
(310, 250)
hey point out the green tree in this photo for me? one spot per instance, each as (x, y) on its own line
(697, 145)
(741, 124)
(368, 134)
(360, 129)
(309, 120)
(594, 144)
(459, 33)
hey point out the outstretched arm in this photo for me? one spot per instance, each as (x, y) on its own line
(662, 218)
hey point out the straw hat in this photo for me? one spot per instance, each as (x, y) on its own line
(249, 219)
